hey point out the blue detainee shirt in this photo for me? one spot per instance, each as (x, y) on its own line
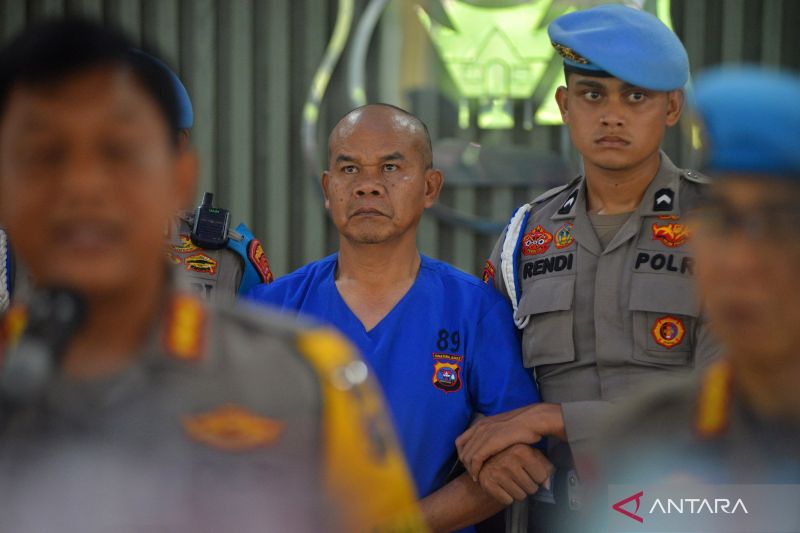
(448, 350)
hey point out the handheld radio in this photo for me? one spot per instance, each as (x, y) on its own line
(211, 224)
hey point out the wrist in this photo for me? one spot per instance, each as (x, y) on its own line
(551, 420)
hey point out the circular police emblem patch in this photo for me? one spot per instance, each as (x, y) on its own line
(668, 331)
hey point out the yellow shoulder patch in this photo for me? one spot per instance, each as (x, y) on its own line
(713, 402)
(184, 331)
(365, 472)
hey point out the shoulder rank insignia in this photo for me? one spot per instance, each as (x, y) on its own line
(201, 263)
(447, 372)
(536, 241)
(488, 272)
(255, 252)
(184, 332)
(662, 201)
(566, 207)
(668, 331)
(232, 428)
(671, 235)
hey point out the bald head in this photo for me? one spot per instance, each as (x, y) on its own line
(380, 119)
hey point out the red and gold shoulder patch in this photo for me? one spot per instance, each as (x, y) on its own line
(447, 372)
(12, 324)
(184, 332)
(259, 260)
(14, 321)
(201, 263)
(671, 235)
(536, 241)
(488, 272)
(668, 331)
(564, 236)
(186, 246)
(232, 428)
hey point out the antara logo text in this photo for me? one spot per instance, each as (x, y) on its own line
(694, 506)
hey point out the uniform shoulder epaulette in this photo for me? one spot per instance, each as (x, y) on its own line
(697, 177)
(554, 191)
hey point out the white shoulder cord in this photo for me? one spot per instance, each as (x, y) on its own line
(515, 227)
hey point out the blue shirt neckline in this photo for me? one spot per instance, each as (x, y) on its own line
(384, 322)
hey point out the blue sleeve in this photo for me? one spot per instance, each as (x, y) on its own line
(499, 381)
(273, 294)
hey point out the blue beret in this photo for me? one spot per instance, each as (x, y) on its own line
(751, 118)
(627, 43)
(185, 112)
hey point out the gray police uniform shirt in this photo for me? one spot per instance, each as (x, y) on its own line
(700, 429)
(215, 275)
(603, 323)
(216, 426)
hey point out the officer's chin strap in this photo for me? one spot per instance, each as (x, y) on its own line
(507, 260)
(53, 317)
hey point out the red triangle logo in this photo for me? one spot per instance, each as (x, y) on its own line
(637, 498)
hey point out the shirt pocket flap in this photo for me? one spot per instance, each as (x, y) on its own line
(658, 295)
(548, 295)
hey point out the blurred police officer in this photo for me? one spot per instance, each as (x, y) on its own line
(158, 412)
(219, 274)
(597, 270)
(738, 422)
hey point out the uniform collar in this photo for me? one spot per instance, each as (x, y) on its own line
(660, 199)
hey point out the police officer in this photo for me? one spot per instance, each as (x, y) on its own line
(219, 273)
(128, 405)
(224, 270)
(739, 421)
(597, 270)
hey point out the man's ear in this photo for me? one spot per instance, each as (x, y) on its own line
(186, 170)
(675, 100)
(323, 181)
(562, 101)
(434, 180)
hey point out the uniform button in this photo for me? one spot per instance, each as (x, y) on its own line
(573, 503)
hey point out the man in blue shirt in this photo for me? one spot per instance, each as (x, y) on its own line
(443, 345)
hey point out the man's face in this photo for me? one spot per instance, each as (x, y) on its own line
(88, 180)
(615, 125)
(747, 263)
(379, 181)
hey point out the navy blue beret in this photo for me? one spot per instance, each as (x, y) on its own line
(627, 43)
(185, 112)
(751, 118)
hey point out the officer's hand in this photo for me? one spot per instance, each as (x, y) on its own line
(515, 473)
(491, 435)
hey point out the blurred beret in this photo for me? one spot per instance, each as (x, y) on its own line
(185, 112)
(751, 118)
(626, 43)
